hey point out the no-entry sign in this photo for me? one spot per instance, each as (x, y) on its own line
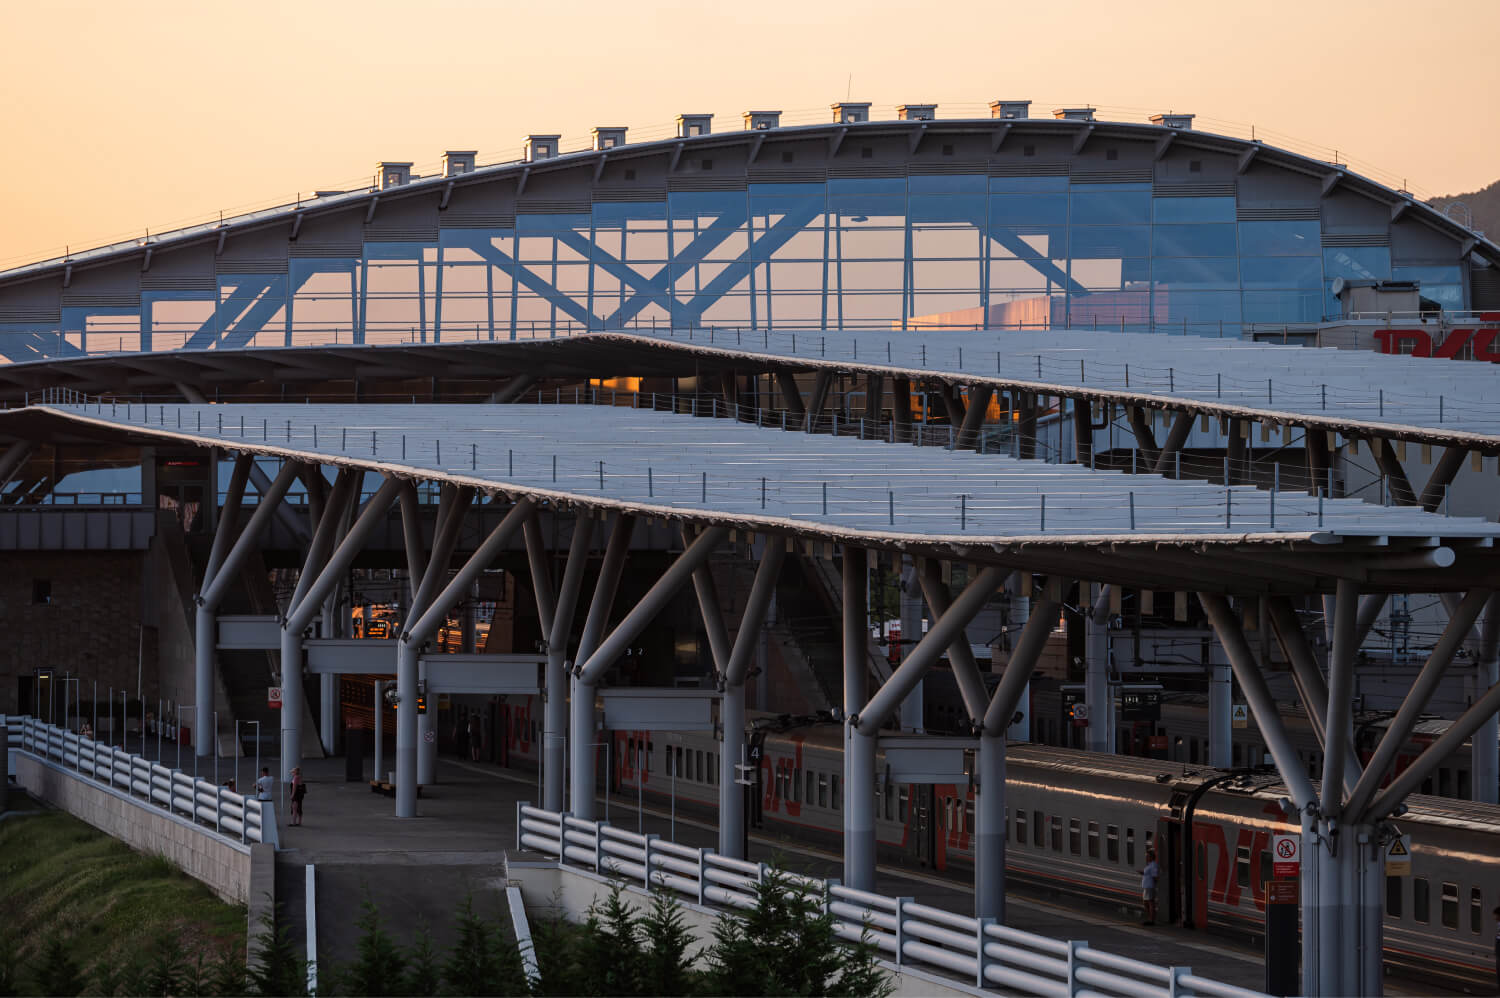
(273, 697)
(1286, 856)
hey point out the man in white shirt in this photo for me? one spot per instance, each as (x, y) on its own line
(1149, 873)
(265, 785)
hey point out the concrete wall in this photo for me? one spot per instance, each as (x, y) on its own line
(223, 865)
(551, 889)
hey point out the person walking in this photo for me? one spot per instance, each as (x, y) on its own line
(1149, 874)
(476, 737)
(264, 785)
(299, 791)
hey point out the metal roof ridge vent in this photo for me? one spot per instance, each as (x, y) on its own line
(690, 125)
(1183, 122)
(916, 112)
(540, 147)
(390, 174)
(608, 137)
(850, 112)
(759, 121)
(457, 162)
(1010, 109)
(1074, 113)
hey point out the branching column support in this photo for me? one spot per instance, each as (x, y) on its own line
(205, 635)
(422, 624)
(15, 456)
(791, 397)
(1402, 493)
(1083, 432)
(1315, 444)
(1442, 476)
(1237, 452)
(901, 408)
(1182, 425)
(454, 505)
(581, 728)
(1145, 439)
(1312, 690)
(974, 416)
(874, 399)
(1025, 405)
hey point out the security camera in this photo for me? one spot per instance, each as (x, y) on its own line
(392, 697)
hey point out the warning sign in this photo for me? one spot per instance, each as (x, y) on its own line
(273, 697)
(1286, 856)
(429, 736)
(1398, 857)
(1282, 892)
(1239, 715)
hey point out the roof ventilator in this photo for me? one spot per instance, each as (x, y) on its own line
(759, 121)
(850, 114)
(690, 125)
(388, 175)
(1074, 113)
(1182, 122)
(540, 147)
(608, 138)
(1010, 109)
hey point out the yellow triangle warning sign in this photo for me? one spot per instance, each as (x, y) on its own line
(1398, 848)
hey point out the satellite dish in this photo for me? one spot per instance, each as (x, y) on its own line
(1338, 286)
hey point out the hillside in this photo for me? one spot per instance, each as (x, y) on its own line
(1485, 204)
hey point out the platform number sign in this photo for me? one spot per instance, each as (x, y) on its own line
(273, 697)
(1286, 856)
(1398, 857)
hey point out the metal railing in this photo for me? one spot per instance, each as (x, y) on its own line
(217, 810)
(977, 950)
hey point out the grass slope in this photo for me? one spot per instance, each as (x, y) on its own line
(59, 875)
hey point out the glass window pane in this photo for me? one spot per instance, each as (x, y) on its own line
(1450, 906)
(1028, 209)
(867, 185)
(1193, 240)
(958, 183)
(1364, 263)
(1206, 273)
(1109, 207)
(1287, 238)
(1281, 272)
(1419, 900)
(1393, 896)
(1111, 241)
(1193, 209)
(1199, 306)
(1283, 306)
(1029, 185)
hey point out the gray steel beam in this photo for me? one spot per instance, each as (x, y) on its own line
(269, 500)
(1486, 742)
(822, 385)
(1415, 701)
(205, 617)
(791, 395)
(1099, 733)
(989, 835)
(1402, 493)
(512, 389)
(581, 727)
(411, 534)
(960, 654)
(555, 679)
(713, 616)
(1308, 679)
(541, 575)
(229, 519)
(1023, 659)
(1262, 704)
(1340, 692)
(978, 408)
(859, 743)
(1442, 476)
(944, 631)
(656, 598)
(1182, 425)
(1145, 440)
(452, 509)
(15, 456)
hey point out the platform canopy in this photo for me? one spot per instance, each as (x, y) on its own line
(982, 508)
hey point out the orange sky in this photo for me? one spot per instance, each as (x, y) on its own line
(123, 116)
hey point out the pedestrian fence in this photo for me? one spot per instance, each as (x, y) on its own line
(147, 783)
(977, 950)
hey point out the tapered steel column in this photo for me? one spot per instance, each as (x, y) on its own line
(1340, 690)
(989, 838)
(582, 695)
(859, 748)
(1220, 721)
(1099, 735)
(205, 619)
(555, 718)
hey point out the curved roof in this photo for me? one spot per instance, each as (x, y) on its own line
(918, 135)
(1066, 518)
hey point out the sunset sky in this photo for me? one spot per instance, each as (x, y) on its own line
(120, 117)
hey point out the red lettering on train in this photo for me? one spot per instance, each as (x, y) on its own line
(1419, 342)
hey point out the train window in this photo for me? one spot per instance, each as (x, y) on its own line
(888, 804)
(1242, 865)
(822, 789)
(1393, 896)
(1476, 910)
(1450, 906)
(969, 816)
(945, 816)
(1093, 840)
(1075, 836)
(1445, 782)
(1056, 825)
(1130, 847)
(1112, 843)
(1465, 790)
(1020, 827)
(1265, 865)
(1037, 831)
(1200, 865)
(901, 804)
(1238, 753)
(1419, 900)
(650, 751)
(838, 800)
(810, 786)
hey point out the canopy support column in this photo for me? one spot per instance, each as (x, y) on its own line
(584, 761)
(859, 745)
(205, 616)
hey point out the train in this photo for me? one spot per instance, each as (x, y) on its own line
(1077, 826)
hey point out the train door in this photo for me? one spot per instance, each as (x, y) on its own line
(922, 801)
(502, 743)
(1173, 858)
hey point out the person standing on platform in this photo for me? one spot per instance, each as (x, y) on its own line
(476, 737)
(299, 791)
(264, 785)
(1149, 873)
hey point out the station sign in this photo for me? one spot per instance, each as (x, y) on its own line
(1239, 715)
(1286, 855)
(1398, 857)
(273, 697)
(1140, 705)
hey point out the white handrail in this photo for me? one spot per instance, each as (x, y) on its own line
(911, 934)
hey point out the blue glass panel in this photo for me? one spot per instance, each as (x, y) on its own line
(956, 183)
(1193, 209)
(792, 190)
(1110, 275)
(1450, 296)
(951, 208)
(852, 206)
(1092, 206)
(1281, 272)
(1028, 185)
(1199, 306)
(532, 224)
(1303, 238)
(866, 185)
(1110, 241)
(1205, 273)
(1428, 275)
(1028, 209)
(617, 213)
(1109, 308)
(707, 202)
(1193, 240)
(1363, 263)
(1283, 306)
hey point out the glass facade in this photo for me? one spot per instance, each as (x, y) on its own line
(955, 249)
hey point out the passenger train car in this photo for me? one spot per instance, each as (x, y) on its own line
(1078, 825)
